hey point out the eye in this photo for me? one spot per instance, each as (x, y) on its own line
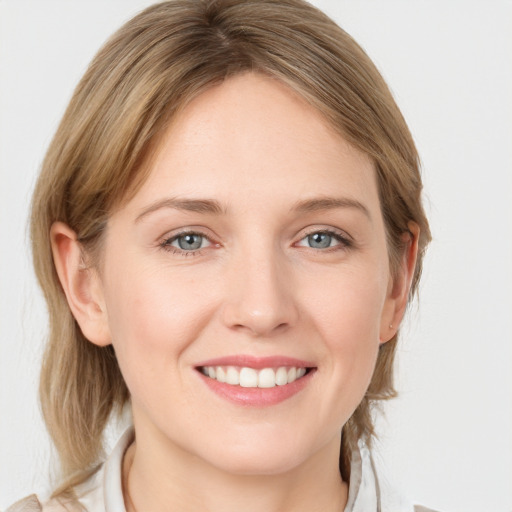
(324, 239)
(186, 242)
(320, 240)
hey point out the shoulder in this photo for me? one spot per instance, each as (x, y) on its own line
(370, 491)
(32, 503)
(29, 504)
(88, 498)
(101, 491)
(391, 500)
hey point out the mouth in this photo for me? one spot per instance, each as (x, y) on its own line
(247, 377)
(256, 381)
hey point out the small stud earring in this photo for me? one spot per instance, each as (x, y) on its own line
(391, 326)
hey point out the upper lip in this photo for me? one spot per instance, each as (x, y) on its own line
(257, 363)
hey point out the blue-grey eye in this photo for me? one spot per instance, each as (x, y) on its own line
(189, 241)
(320, 240)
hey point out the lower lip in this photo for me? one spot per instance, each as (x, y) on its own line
(257, 397)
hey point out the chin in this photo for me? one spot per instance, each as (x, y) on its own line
(258, 465)
(257, 456)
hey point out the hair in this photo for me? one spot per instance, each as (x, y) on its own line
(146, 72)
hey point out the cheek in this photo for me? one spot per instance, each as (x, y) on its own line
(152, 319)
(348, 307)
(347, 316)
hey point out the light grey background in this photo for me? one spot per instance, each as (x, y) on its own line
(447, 441)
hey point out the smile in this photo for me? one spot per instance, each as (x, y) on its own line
(256, 381)
(247, 377)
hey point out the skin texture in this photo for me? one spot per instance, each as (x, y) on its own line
(255, 287)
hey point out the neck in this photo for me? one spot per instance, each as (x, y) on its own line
(168, 479)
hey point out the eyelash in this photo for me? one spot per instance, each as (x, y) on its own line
(166, 244)
(344, 242)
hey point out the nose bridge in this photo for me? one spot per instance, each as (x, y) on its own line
(259, 296)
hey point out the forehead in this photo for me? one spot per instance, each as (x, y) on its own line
(251, 137)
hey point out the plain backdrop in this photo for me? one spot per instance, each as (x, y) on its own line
(447, 441)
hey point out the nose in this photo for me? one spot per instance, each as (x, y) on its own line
(260, 297)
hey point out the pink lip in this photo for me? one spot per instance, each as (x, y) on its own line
(257, 397)
(257, 362)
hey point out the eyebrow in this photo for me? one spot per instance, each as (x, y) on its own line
(212, 207)
(206, 206)
(330, 203)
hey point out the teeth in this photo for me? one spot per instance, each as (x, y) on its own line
(267, 378)
(248, 378)
(282, 376)
(251, 378)
(232, 376)
(220, 374)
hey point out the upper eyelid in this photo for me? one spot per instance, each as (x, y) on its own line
(186, 231)
(330, 230)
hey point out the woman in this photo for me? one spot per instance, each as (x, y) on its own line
(227, 229)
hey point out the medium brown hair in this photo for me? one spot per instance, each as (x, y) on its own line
(150, 69)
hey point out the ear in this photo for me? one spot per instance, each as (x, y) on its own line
(81, 284)
(400, 285)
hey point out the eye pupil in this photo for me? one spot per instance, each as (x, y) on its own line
(190, 241)
(319, 240)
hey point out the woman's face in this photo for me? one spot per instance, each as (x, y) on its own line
(254, 252)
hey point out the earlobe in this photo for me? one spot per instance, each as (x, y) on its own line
(400, 285)
(81, 284)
